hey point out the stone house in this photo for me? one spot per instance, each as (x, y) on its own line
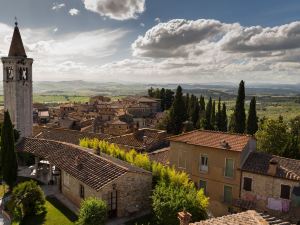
(81, 174)
(213, 161)
(272, 183)
(116, 128)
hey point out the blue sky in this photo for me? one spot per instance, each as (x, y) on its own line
(158, 41)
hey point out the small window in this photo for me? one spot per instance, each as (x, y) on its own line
(202, 185)
(227, 194)
(285, 191)
(204, 163)
(229, 168)
(81, 191)
(247, 184)
(181, 159)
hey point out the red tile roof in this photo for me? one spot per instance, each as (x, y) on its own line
(161, 156)
(214, 139)
(93, 170)
(244, 218)
(259, 162)
(65, 135)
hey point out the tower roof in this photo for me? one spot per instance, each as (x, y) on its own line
(16, 46)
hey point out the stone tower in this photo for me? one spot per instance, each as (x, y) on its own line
(17, 85)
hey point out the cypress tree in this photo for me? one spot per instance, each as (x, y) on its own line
(219, 116)
(162, 99)
(239, 113)
(252, 122)
(169, 99)
(224, 119)
(8, 154)
(177, 113)
(195, 112)
(201, 119)
(213, 115)
(207, 122)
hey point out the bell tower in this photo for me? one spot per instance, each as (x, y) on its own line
(17, 85)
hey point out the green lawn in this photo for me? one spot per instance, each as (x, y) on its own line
(57, 214)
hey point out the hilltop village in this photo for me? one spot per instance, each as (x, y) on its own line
(83, 150)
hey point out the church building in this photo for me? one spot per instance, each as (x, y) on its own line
(17, 85)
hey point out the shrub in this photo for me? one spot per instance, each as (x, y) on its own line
(159, 171)
(27, 199)
(92, 211)
(168, 200)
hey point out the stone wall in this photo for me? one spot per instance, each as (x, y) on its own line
(133, 192)
(263, 188)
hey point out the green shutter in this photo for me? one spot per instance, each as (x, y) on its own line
(227, 194)
(229, 168)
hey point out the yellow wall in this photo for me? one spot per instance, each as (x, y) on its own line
(215, 179)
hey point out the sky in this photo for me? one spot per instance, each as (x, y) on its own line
(158, 41)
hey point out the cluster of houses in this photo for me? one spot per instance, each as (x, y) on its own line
(101, 115)
(235, 177)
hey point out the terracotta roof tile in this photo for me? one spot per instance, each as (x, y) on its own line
(95, 171)
(249, 217)
(259, 162)
(214, 139)
(161, 156)
(65, 135)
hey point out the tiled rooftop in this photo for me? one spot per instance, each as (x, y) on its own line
(249, 217)
(93, 170)
(161, 156)
(65, 135)
(259, 162)
(214, 139)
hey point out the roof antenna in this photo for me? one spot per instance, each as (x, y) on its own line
(16, 21)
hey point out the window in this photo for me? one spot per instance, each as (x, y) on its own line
(229, 166)
(227, 194)
(285, 191)
(204, 163)
(81, 191)
(66, 179)
(247, 184)
(181, 159)
(202, 185)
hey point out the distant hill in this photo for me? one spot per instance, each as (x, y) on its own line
(226, 90)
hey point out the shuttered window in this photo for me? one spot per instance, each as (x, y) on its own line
(285, 191)
(247, 184)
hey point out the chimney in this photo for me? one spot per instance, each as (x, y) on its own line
(184, 217)
(273, 164)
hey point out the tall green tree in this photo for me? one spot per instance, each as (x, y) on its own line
(273, 137)
(208, 112)
(239, 112)
(177, 112)
(151, 92)
(252, 121)
(219, 116)
(201, 120)
(169, 99)
(224, 119)
(195, 112)
(213, 115)
(8, 154)
(163, 99)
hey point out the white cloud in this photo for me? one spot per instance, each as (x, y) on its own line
(55, 29)
(74, 12)
(70, 56)
(116, 9)
(157, 20)
(57, 6)
(142, 24)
